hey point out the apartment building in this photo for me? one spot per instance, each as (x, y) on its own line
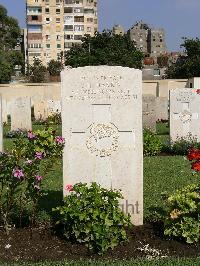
(149, 40)
(54, 26)
(118, 30)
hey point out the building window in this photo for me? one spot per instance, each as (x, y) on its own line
(89, 20)
(69, 37)
(47, 37)
(47, 20)
(57, 10)
(68, 27)
(57, 20)
(48, 45)
(79, 28)
(34, 17)
(89, 29)
(47, 10)
(78, 37)
(58, 45)
(58, 37)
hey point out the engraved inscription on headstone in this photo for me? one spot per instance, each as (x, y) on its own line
(102, 124)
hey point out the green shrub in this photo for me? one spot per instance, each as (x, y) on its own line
(54, 118)
(181, 145)
(91, 215)
(183, 214)
(152, 145)
(21, 174)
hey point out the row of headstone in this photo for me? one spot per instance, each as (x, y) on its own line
(154, 109)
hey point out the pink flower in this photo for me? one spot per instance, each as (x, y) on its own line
(60, 140)
(18, 173)
(31, 135)
(69, 188)
(38, 177)
(38, 155)
(29, 161)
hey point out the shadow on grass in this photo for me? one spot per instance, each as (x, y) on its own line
(50, 200)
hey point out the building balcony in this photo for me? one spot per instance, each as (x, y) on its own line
(34, 20)
(34, 36)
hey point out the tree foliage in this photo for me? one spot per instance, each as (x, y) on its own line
(9, 34)
(37, 72)
(55, 67)
(189, 65)
(105, 49)
(9, 30)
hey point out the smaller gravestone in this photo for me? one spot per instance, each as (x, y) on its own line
(21, 114)
(149, 111)
(184, 114)
(162, 109)
(53, 107)
(40, 110)
(4, 111)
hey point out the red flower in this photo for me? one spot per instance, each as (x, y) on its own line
(69, 188)
(198, 91)
(193, 154)
(196, 166)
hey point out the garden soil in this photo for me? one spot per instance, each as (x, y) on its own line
(42, 244)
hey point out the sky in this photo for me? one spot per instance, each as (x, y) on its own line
(179, 18)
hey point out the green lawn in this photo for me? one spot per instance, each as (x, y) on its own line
(161, 174)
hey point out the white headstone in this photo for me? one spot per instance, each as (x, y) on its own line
(53, 107)
(184, 114)
(162, 112)
(102, 125)
(149, 116)
(21, 114)
(40, 110)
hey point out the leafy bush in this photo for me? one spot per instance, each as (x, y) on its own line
(152, 145)
(54, 119)
(182, 145)
(183, 214)
(91, 215)
(21, 173)
(17, 133)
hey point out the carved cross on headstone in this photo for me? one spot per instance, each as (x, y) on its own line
(102, 139)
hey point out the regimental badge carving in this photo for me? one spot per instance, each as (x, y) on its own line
(186, 116)
(185, 96)
(102, 139)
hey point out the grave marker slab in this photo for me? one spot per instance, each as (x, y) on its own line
(162, 112)
(21, 113)
(40, 110)
(149, 111)
(102, 125)
(184, 114)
